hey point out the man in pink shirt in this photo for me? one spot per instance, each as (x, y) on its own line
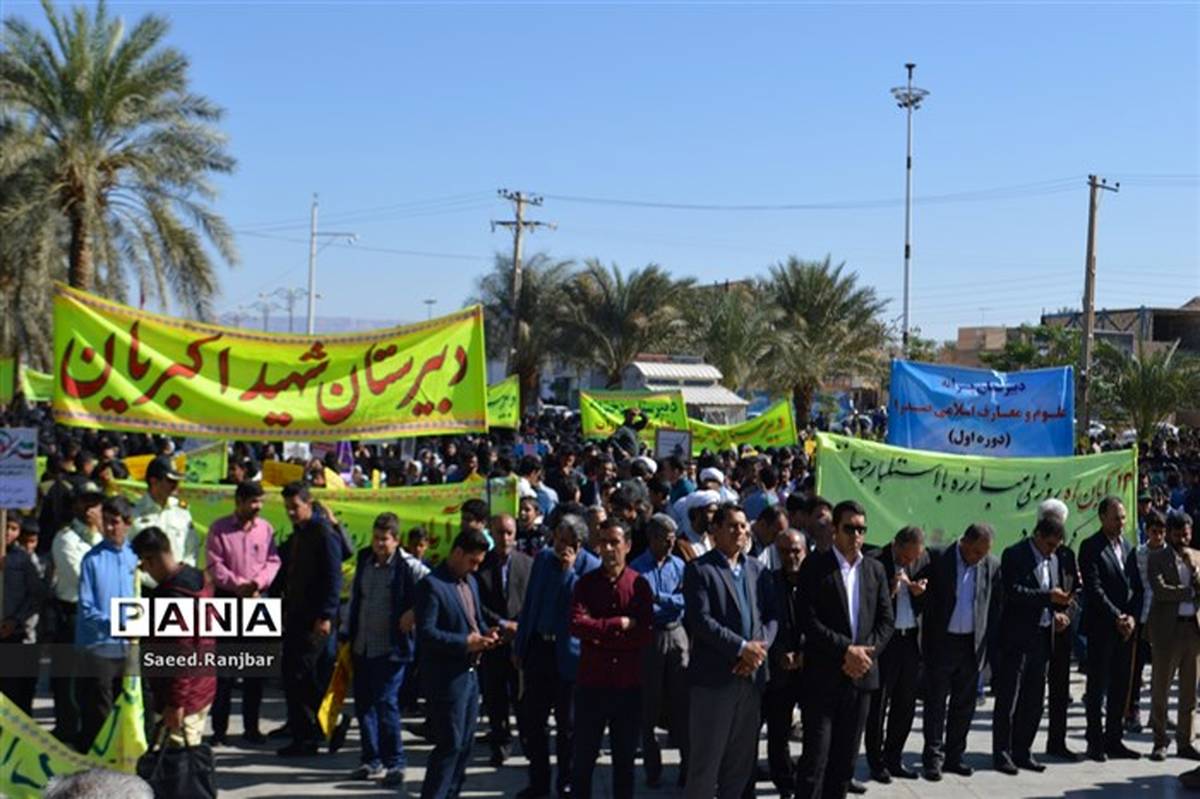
(242, 562)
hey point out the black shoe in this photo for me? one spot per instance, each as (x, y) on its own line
(881, 775)
(565, 791)
(1029, 763)
(280, 732)
(339, 735)
(960, 768)
(1004, 764)
(254, 737)
(298, 749)
(902, 771)
(932, 773)
(855, 787)
(1063, 752)
(532, 793)
(218, 739)
(1121, 752)
(1097, 755)
(1188, 753)
(1158, 754)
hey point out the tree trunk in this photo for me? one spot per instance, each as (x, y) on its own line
(80, 269)
(802, 398)
(529, 382)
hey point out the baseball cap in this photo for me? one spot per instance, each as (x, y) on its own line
(88, 490)
(162, 468)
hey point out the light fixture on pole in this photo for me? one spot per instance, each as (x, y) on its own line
(312, 263)
(429, 307)
(909, 98)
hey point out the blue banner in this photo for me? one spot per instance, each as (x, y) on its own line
(981, 412)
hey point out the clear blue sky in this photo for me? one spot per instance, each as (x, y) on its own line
(390, 104)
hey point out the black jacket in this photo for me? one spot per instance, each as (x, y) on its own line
(1105, 584)
(1024, 598)
(941, 595)
(313, 583)
(498, 604)
(826, 620)
(790, 634)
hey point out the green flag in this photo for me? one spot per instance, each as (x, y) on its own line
(773, 428)
(944, 493)
(207, 464)
(504, 403)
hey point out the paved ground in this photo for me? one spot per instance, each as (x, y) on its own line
(245, 772)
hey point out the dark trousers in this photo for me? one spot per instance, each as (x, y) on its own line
(545, 691)
(618, 709)
(780, 699)
(377, 705)
(20, 670)
(1108, 663)
(894, 704)
(501, 684)
(834, 718)
(303, 653)
(64, 673)
(1059, 678)
(99, 684)
(252, 693)
(951, 674)
(1020, 687)
(665, 687)
(1142, 658)
(453, 714)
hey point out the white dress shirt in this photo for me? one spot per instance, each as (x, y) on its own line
(962, 620)
(850, 572)
(1185, 580)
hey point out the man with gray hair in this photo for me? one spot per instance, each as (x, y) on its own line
(98, 783)
(1058, 672)
(548, 655)
(664, 671)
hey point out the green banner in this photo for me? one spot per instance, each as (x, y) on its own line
(773, 428)
(436, 508)
(8, 379)
(207, 464)
(944, 493)
(504, 403)
(603, 412)
(30, 756)
(37, 386)
(117, 367)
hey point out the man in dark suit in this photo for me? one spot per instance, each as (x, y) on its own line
(453, 634)
(959, 608)
(784, 690)
(731, 617)
(895, 702)
(1059, 671)
(847, 620)
(548, 655)
(1108, 624)
(503, 578)
(1035, 608)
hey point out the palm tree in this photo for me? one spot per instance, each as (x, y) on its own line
(610, 317)
(1146, 387)
(734, 329)
(535, 314)
(109, 142)
(831, 325)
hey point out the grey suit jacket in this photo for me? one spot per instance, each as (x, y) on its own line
(714, 619)
(941, 595)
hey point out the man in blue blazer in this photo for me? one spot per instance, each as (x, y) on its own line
(453, 634)
(732, 619)
(548, 655)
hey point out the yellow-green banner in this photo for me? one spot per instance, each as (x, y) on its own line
(437, 508)
(8, 379)
(944, 493)
(775, 427)
(37, 386)
(504, 403)
(118, 367)
(30, 756)
(603, 412)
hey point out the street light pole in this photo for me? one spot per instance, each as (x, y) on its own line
(909, 98)
(312, 264)
(429, 308)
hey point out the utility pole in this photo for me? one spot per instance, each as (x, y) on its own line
(518, 227)
(289, 297)
(1095, 186)
(429, 307)
(312, 263)
(265, 305)
(909, 98)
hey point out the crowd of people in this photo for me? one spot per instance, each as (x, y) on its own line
(668, 602)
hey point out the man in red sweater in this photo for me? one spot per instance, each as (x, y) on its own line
(611, 615)
(182, 696)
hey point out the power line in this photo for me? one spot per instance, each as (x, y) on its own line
(389, 250)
